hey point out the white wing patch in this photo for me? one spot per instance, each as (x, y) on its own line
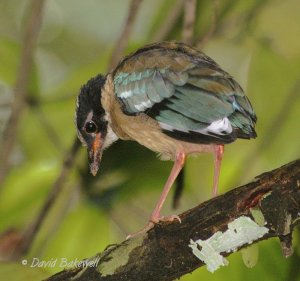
(125, 94)
(139, 91)
(143, 105)
(219, 127)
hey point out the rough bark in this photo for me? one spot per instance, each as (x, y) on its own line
(163, 253)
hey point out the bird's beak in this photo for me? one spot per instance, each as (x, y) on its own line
(95, 154)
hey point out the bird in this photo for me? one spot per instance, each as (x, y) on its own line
(171, 98)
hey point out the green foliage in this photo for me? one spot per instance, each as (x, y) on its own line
(256, 41)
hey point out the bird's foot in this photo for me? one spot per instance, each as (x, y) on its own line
(165, 218)
(154, 220)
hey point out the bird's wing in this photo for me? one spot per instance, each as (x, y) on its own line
(188, 94)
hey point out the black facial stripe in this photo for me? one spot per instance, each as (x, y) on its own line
(89, 99)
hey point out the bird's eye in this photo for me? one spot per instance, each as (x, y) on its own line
(90, 127)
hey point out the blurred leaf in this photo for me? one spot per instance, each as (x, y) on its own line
(9, 53)
(19, 272)
(250, 256)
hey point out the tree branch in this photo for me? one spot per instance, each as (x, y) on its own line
(124, 37)
(169, 22)
(35, 14)
(267, 207)
(189, 21)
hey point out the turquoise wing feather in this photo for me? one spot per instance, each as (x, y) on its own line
(188, 94)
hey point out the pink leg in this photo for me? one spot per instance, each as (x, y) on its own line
(218, 151)
(155, 216)
(178, 164)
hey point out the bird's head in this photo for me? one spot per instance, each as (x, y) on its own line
(92, 121)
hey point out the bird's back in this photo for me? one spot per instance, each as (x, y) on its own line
(186, 92)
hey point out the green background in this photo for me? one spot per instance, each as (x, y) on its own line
(258, 42)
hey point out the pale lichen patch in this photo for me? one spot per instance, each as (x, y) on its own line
(120, 257)
(241, 231)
